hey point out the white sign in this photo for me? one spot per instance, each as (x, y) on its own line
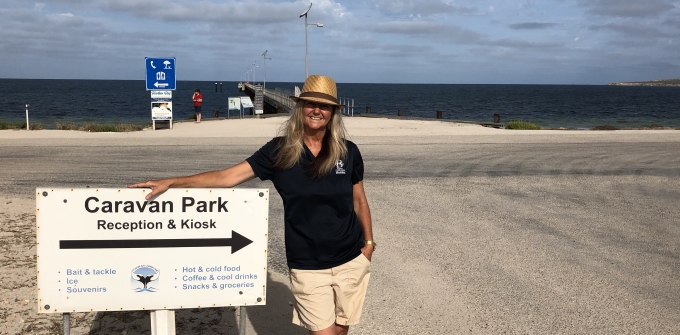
(259, 100)
(161, 110)
(234, 103)
(110, 250)
(161, 94)
(246, 102)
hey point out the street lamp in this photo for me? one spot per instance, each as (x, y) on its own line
(308, 24)
(252, 69)
(264, 59)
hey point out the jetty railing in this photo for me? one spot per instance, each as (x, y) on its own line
(280, 99)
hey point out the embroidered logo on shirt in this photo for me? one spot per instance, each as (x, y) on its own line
(339, 167)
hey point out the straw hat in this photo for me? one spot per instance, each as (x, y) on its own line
(319, 89)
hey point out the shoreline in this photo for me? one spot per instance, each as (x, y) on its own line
(358, 126)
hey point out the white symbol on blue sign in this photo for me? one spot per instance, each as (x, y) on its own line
(160, 80)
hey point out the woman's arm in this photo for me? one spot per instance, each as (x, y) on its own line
(228, 177)
(364, 215)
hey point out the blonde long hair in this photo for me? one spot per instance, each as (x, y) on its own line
(291, 149)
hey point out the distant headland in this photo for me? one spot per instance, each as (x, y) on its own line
(662, 82)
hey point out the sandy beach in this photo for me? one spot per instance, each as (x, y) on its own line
(480, 230)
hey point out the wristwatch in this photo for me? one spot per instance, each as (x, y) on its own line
(375, 245)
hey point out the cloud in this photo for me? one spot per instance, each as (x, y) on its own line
(632, 30)
(431, 29)
(405, 50)
(419, 8)
(531, 25)
(32, 33)
(633, 44)
(626, 8)
(230, 13)
(521, 44)
(453, 34)
(673, 23)
(527, 4)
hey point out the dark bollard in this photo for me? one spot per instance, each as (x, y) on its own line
(368, 109)
(439, 114)
(220, 87)
(216, 113)
(400, 112)
(215, 87)
(496, 118)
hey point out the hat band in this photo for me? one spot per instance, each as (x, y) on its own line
(319, 95)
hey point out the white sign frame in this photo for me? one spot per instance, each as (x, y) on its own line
(161, 109)
(88, 256)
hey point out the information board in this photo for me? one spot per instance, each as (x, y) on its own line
(234, 103)
(161, 109)
(109, 249)
(246, 102)
(259, 103)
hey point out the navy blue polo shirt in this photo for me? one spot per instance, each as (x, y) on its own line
(321, 228)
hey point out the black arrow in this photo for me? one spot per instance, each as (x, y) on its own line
(236, 242)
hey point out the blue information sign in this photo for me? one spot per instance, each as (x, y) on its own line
(160, 74)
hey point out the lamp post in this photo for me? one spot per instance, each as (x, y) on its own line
(306, 44)
(264, 60)
(252, 69)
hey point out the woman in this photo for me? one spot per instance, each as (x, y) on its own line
(328, 231)
(198, 102)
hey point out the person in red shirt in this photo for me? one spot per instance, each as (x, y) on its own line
(198, 102)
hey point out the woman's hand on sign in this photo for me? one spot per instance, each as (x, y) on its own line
(228, 177)
(157, 187)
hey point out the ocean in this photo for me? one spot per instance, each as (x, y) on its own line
(550, 106)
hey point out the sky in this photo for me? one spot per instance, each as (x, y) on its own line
(361, 41)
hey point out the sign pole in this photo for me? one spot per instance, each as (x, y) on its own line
(27, 127)
(242, 320)
(163, 322)
(67, 323)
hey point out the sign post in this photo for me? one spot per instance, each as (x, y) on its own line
(161, 81)
(27, 126)
(111, 250)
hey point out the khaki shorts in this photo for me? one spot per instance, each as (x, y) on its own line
(335, 295)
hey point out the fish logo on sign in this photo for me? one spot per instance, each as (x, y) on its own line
(144, 278)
